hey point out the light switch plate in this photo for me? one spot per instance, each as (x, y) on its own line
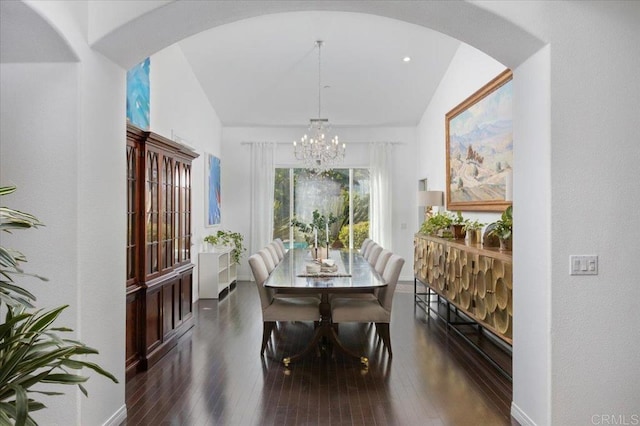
(583, 265)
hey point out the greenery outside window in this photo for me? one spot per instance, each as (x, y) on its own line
(341, 192)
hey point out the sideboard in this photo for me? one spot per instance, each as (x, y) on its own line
(473, 280)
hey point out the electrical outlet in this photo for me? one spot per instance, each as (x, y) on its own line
(583, 265)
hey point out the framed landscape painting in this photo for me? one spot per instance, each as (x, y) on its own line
(212, 189)
(479, 151)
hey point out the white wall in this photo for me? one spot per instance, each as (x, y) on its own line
(594, 152)
(42, 137)
(236, 177)
(62, 142)
(180, 110)
(531, 293)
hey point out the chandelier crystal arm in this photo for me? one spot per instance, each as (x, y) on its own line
(317, 151)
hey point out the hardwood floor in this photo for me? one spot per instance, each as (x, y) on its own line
(215, 376)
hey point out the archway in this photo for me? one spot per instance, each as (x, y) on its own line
(160, 26)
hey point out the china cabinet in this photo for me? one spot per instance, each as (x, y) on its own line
(159, 274)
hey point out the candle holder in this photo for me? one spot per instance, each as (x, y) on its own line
(320, 253)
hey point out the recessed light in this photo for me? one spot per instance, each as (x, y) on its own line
(406, 59)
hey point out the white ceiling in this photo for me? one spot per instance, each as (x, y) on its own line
(263, 71)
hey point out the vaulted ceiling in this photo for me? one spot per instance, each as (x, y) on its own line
(263, 71)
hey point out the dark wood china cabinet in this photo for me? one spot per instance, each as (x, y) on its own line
(159, 269)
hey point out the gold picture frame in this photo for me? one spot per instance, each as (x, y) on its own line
(479, 148)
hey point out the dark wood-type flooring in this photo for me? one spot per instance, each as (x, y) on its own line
(215, 376)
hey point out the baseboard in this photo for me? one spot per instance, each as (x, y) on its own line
(520, 416)
(408, 278)
(118, 417)
(245, 277)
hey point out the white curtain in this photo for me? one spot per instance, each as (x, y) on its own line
(380, 167)
(262, 184)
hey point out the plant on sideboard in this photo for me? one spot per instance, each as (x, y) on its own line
(503, 228)
(438, 224)
(473, 230)
(31, 351)
(228, 239)
(458, 223)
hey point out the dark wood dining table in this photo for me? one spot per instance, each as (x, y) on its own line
(353, 275)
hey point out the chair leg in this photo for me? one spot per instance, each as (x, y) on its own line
(267, 327)
(383, 330)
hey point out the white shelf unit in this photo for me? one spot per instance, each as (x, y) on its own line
(216, 273)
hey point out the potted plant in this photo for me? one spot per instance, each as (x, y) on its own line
(458, 226)
(438, 224)
(473, 230)
(224, 238)
(31, 351)
(503, 229)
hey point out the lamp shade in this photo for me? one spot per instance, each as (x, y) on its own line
(430, 198)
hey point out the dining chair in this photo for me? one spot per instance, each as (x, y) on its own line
(367, 249)
(273, 309)
(274, 254)
(376, 311)
(373, 254)
(364, 245)
(281, 244)
(278, 250)
(267, 259)
(381, 263)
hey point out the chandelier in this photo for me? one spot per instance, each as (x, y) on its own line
(317, 150)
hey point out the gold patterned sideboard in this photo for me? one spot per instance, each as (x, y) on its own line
(477, 281)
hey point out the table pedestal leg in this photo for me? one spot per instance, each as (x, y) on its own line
(325, 330)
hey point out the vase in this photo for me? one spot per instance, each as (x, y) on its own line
(505, 244)
(458, 231)
(474, 236)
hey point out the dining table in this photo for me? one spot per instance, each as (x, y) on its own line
(345, 272)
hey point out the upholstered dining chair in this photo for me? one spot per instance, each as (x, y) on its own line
(381, 263)
(278, 250)
(367, 249)
(268, 260)
(364, 245)
(376, 311)
(373, 254)
(281, 244)
(274, 253)
(273, 309)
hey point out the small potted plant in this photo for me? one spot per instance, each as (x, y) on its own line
(224, 238)
(438, 225)
(458, 226)
(473, 230)
(503, 229)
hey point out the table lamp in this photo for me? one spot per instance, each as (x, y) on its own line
(429, 199)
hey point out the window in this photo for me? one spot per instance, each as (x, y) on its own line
(341, 192)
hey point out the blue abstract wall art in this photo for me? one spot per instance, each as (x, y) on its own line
(138, 95)
(213, 190)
